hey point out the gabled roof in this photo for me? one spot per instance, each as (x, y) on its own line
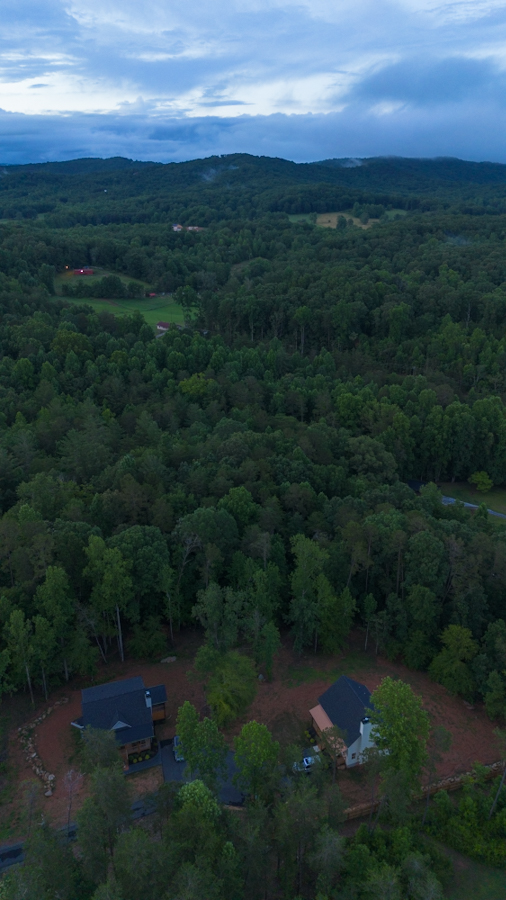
(112, 689)
(120, 706)
(345, 703)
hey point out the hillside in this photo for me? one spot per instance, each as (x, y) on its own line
(235, 492)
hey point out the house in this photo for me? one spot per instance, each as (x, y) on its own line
(84, 271)
(126, 707)
(177, 228)
(346, 704)
(162, 326)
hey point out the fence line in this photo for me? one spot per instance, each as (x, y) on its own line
(451, 783)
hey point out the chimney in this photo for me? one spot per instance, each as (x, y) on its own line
(148, 699)
(365, 730)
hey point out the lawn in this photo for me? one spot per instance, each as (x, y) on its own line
(494, 499)
(329, 219)
(154, 309)
(474, 880)
(68, 276)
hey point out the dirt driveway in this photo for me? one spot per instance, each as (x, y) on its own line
(283, 705)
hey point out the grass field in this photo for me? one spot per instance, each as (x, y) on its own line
(69, 277)
(329, 220)
(475, 881)
(494, 499)
(154, 309)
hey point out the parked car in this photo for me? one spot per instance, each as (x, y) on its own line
(177, 749)
(307, 761)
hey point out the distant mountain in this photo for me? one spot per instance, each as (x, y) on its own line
(82, 166)
(201, 191)
(443, 168)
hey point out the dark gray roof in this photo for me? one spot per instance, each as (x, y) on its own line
(158, 694)
(345, 703)
(112, 689)
(119, 706)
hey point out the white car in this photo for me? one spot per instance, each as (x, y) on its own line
(307, 761)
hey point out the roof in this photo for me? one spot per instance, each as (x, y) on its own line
(120, 706)
(346, 703)
(158, 694)
(112, 689)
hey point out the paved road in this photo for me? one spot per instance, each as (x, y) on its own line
(174, 771)
(447, 501)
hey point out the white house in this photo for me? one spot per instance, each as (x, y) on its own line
(346, 704)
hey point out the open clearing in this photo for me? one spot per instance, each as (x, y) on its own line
(329, 219)
(68, 277)
(283, 705)
(154, 309)
(494, 499)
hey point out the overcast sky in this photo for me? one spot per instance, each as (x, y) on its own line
(307, 80)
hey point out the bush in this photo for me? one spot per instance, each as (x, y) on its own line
(148, 640)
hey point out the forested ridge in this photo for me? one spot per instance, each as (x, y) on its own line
(247, 473)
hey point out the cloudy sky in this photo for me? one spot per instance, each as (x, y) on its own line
(303, 79)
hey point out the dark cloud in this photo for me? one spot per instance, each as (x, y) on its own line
(426, 82)
(476, 132)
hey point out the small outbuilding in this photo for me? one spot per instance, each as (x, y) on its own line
(129, 709)
(346, 703)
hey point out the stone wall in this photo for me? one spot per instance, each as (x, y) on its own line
(27, 738)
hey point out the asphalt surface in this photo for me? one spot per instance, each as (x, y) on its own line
(176, 771)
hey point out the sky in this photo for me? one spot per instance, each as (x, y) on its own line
(168, 80)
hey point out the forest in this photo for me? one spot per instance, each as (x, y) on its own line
(248, 474)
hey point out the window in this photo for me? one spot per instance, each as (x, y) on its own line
(353, 755)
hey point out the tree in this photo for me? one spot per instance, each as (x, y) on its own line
(269, 644)
(297, 816)
(333, 742)
(501, 737)
(256, 756)
(100, 749)
(112, 586)
(218, 611)
(336, 615)
(55, 601)
(102, 818)
(310, 588)
(204, 748)
(368, 609)
(231, 687)
(450, 667)
(440, 741)
(44, 645)
(138, 866)
(72, 781)
(302, 317)
(145, 549)
(18, 634)
(148, 640)
(326, 859)
(400, 727)
(482, 481)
